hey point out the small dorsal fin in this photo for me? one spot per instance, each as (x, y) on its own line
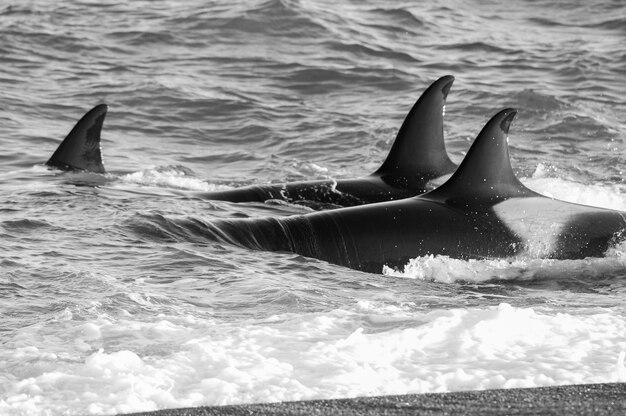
(80, 150)
(485, 176)
(419, 152)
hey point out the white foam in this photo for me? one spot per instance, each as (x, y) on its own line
(340, 353)
(446, 269)
(612, 196)
(170, 177)
(317, 168)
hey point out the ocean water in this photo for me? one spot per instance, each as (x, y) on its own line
(104, 309)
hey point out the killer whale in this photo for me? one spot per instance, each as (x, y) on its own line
(80, 150)
(482, 211)
(417, 156)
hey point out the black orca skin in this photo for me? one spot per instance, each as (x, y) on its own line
(482, 211)
(417, 156)
(80, 151)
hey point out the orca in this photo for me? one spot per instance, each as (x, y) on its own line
(416, 160)
(417, 156)
(483, 211)
(80, 151)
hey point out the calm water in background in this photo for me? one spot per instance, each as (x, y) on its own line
(107, 307)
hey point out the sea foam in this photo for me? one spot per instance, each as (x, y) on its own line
(341, 353)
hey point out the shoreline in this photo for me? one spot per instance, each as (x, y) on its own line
(583, 399)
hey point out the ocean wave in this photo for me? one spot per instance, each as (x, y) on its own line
(215, 363)
(445, 269)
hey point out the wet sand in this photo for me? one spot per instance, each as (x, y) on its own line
(588, 399)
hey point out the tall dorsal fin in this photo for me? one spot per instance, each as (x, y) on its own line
(485, 176)
(419, 152)
(80, 150)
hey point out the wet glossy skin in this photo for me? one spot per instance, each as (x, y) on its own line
(482, 211)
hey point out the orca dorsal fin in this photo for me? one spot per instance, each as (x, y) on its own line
(419, 152)
(80, 150)
(485, 175)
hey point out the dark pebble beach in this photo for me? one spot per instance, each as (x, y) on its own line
(587, 399)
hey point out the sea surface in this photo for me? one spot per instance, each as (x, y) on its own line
(106, 307)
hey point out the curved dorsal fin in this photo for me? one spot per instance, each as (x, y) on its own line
(485, 176)
(80, 150)
(419, 152)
